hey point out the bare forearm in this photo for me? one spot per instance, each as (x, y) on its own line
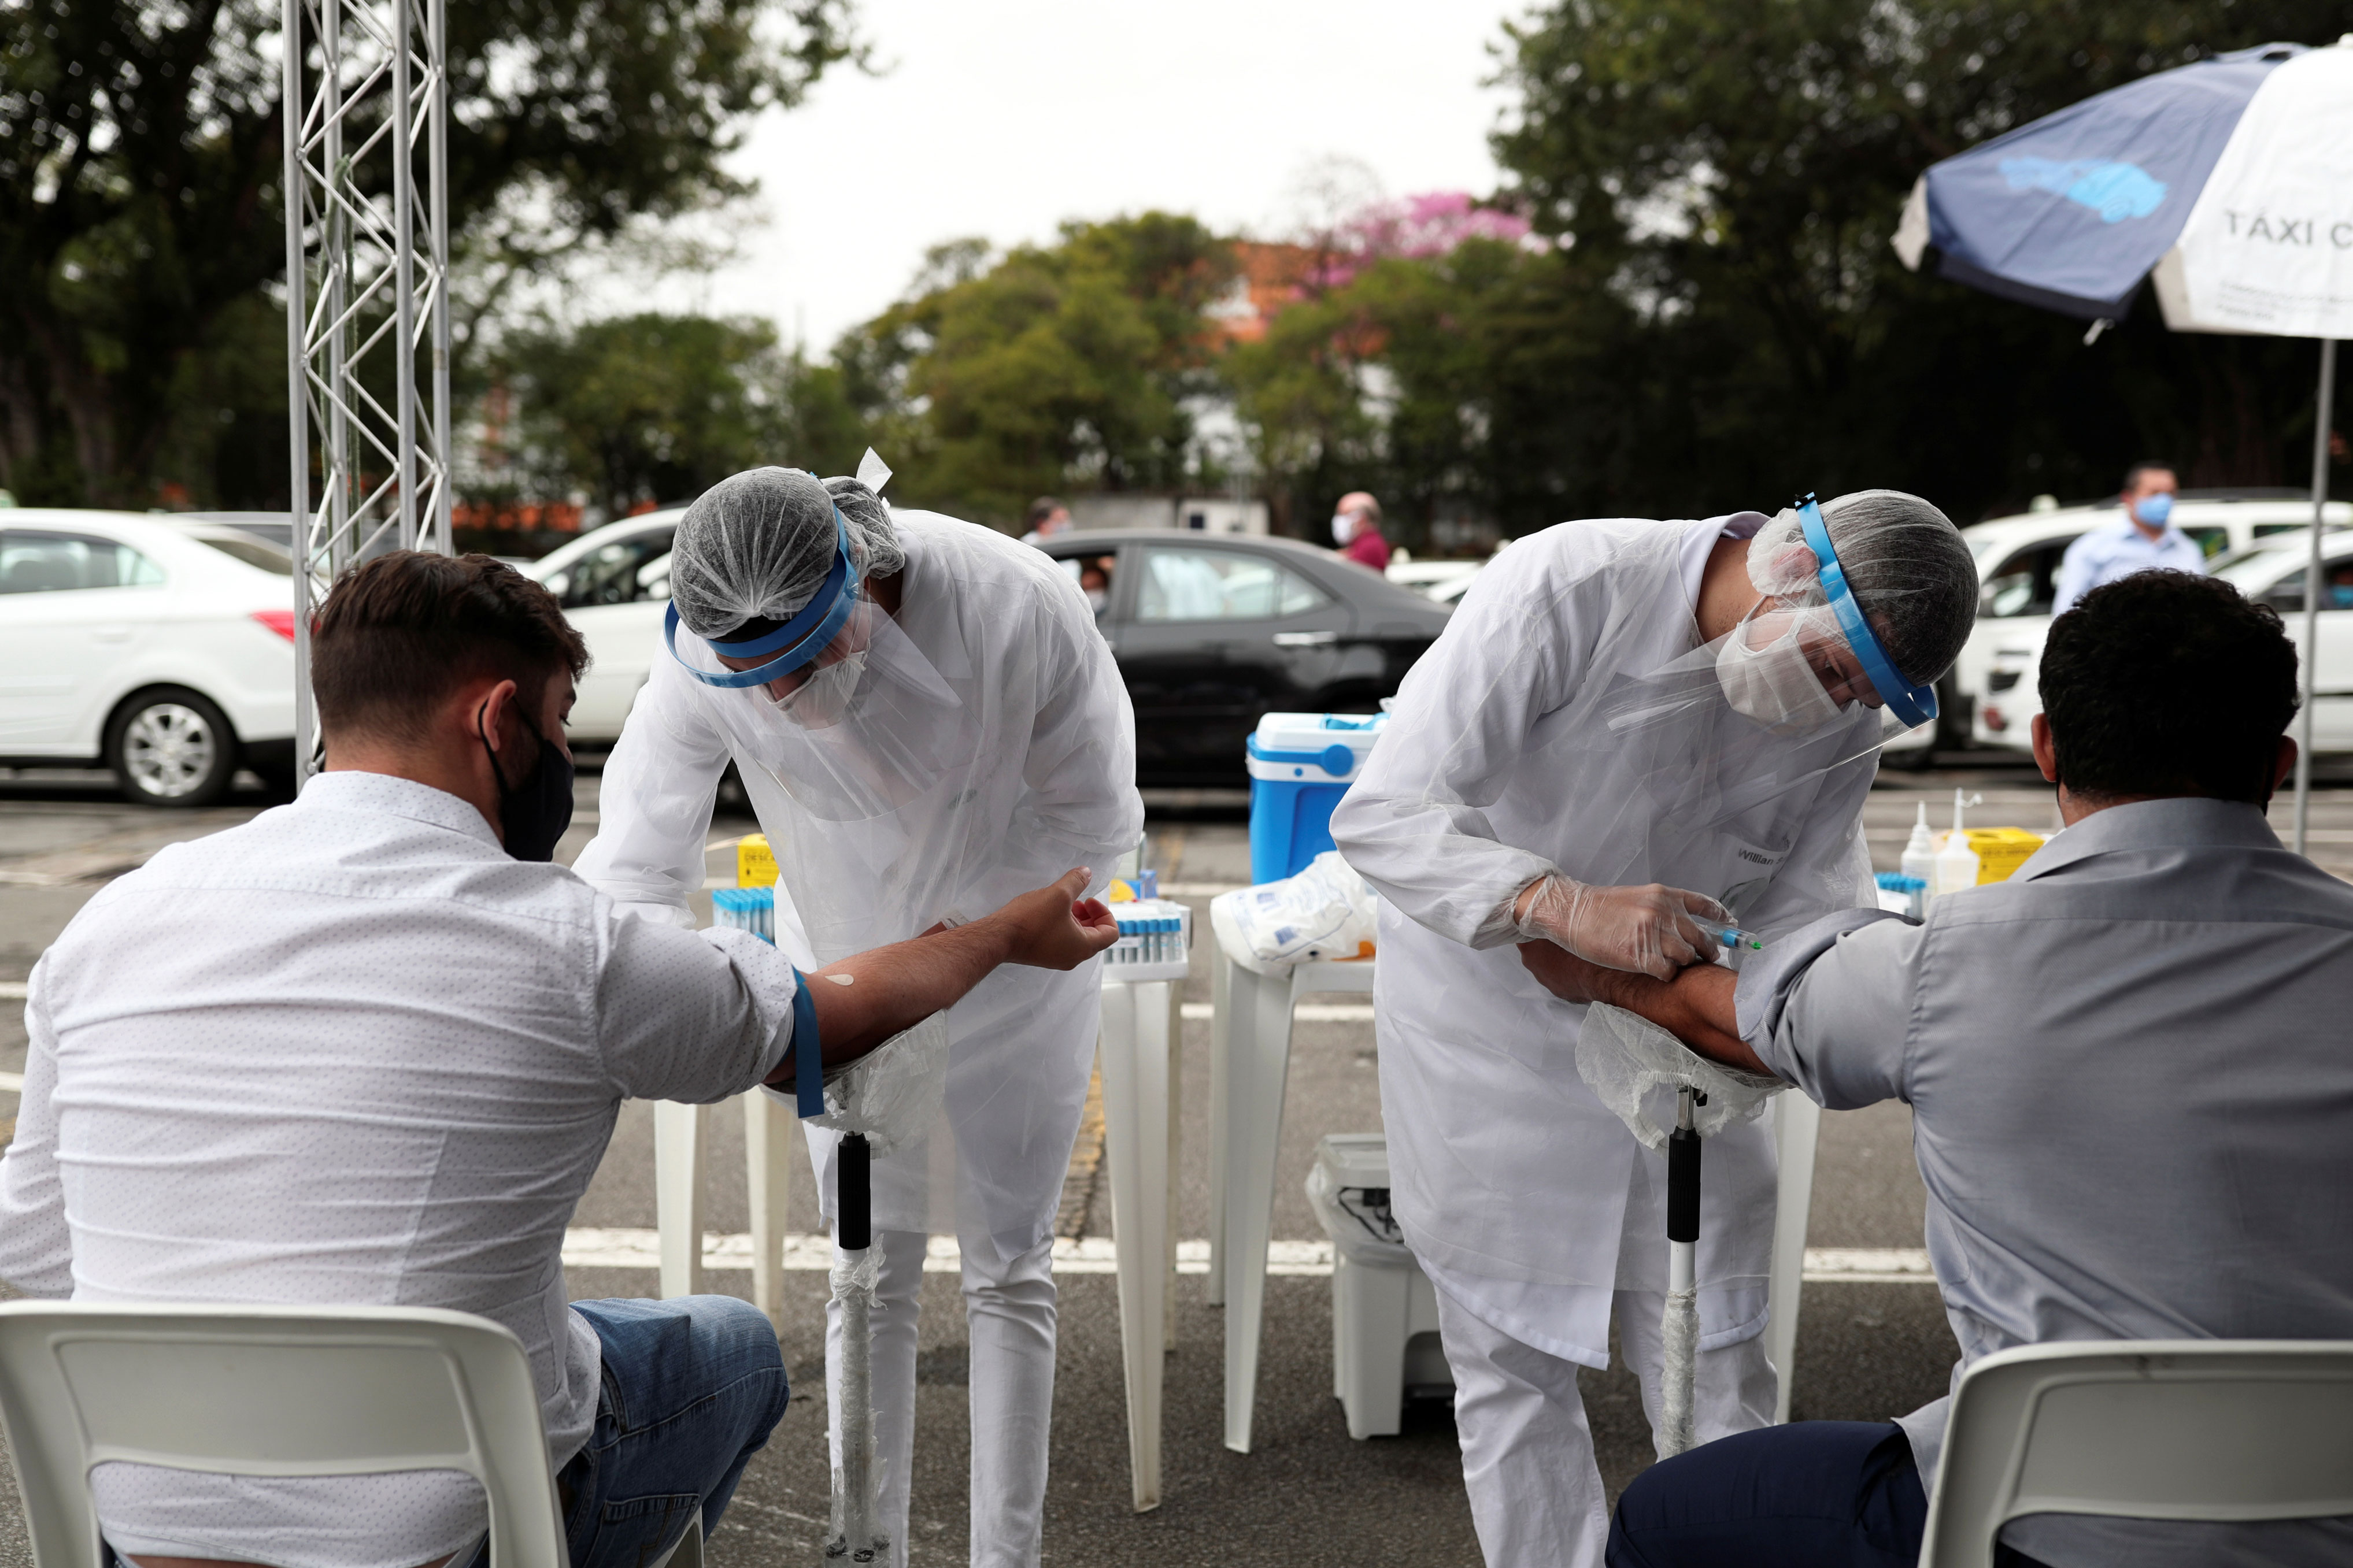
(868, 997)
(1695, 1006)
(864, 1000)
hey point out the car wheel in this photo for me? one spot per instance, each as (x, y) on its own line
(171, 747)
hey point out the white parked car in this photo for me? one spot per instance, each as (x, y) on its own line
(2018, 563)
(614, 584)
(1443, 581)
(163, 651)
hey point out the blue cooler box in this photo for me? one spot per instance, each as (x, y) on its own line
(1300, 766)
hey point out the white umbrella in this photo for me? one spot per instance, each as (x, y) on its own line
(2269, 248)
(2229, 181)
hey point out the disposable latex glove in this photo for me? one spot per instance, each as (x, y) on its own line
(1652, 931)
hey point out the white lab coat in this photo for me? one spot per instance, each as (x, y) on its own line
(1042, 780)
(1512, 1182)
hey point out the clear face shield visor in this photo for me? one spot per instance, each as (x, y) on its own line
(1806, 655)
(1721, 739)
(838, 705)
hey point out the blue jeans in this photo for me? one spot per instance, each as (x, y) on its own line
(691, 1389)
(1812, 1494)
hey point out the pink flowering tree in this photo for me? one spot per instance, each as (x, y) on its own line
(1418, 227)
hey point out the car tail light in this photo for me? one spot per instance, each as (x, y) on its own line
(279, 621)
(1994, 719)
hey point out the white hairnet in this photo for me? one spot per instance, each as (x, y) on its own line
(757, 546)
(1910, 571)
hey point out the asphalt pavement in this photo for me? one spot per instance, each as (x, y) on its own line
(1306, 1493)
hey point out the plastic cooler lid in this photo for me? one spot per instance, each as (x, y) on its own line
(1333, 741)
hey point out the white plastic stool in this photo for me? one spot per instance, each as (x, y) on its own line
(1384, 1307)
(682, 1161)
(1141, 1030)
(1250, 1059)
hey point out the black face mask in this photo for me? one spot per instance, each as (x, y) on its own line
(535, 812)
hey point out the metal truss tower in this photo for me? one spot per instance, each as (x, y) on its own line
(367, 306)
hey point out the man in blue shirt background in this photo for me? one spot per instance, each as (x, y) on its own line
(2143, 539)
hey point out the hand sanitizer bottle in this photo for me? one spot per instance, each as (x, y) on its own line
(1920, 850)
(1957, 863)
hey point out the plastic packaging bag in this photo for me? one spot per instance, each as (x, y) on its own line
(893, 1093)
(1325, 912)
(1623, 1057)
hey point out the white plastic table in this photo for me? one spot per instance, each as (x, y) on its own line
(1141, 1030)
(1249, 1058)
(681, 1160)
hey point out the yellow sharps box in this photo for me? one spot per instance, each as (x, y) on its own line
(2000, 851)
(755, 867)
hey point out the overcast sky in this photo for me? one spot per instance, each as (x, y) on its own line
(1002, 118)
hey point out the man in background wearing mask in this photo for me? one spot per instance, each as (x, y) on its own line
(1630, 735)
(921, 711)
(2143, 539)
(1048, 519)
(1356, 530)
(369, 1049)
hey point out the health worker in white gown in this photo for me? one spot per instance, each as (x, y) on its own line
(1632, 734)
(922, 714)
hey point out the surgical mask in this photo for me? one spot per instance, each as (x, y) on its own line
(534, 810)
(1344, 527)
(2154, 510)
(1097, 599)
(1774, 684)
(823, 699)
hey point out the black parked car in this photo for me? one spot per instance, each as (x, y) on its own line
(1213, 630)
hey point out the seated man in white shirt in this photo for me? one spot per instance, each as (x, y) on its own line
(369, 1047)
(2128, 1080)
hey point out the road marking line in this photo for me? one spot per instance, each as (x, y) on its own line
(15, 990)
(11, 1083)
(1306, 1012)
(1199, 890)
(587, 1248)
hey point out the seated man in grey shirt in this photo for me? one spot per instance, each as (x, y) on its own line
(2131, 1092)
(368, 1048)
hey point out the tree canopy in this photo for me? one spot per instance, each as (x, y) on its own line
(1052, 365)
(1734, 168)
(141, 158)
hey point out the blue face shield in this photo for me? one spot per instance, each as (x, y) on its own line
(1915, 705)
(797, 643)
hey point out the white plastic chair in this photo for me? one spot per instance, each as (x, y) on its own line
(2165, 1430)
(275, 1391)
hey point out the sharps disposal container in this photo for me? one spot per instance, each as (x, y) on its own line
(1384, 1346)
(1300, 766)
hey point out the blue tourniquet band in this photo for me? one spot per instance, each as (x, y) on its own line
(808, 1055)
(801, 639)
(1915, 705)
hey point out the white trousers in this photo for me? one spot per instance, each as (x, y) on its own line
(1009, 1312)
(1536, 1497)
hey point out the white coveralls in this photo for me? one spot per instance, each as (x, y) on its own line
(1032, 774)
(1532, 1207)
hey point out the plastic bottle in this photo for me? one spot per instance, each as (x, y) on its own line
(1957, 863)
(1920, 850)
